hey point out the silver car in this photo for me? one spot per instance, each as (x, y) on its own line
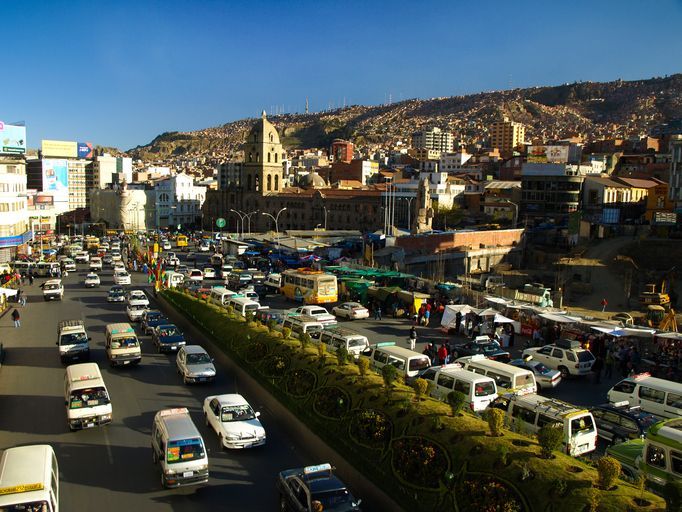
(195, 365)
(545, 378)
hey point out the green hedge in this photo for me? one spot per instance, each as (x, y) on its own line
(420, 455)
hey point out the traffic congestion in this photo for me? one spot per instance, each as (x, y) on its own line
(188, 430)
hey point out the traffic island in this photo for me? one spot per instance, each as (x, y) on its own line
(414, 450)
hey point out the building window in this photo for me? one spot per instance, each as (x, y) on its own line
(275, 157)
(248, 179)
(269, 179)
(276, 177)
(268, 157)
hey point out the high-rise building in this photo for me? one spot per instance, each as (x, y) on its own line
(14, 228)
(675, 180)
(433, 138)
(507, 136)
(342, 151)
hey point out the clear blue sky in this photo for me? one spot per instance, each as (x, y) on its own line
(118, 73)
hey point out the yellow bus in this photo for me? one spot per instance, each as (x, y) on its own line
(181, 241)
(309, 286)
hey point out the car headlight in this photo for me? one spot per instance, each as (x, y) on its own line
(168, 472)
(233, 437)
(106, 416)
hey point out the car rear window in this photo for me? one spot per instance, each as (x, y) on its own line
(585, 356)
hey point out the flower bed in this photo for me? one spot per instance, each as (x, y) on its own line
(301, 382)
(419, 461)
(370, 428)
(331, 402)
(487, 493)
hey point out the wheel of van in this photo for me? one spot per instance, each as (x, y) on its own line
(565, 374)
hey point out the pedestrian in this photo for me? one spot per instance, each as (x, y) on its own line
(442, 354)
(458, 321)
(413, 337)
(610, 362)
(377, 312)
(604, 303)
(16, 317)
(597, 368)
(30, 278)
(427, 317)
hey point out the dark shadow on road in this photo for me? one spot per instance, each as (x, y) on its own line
(44, 415)
(41, 357)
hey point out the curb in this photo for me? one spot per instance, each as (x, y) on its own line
(316, 448)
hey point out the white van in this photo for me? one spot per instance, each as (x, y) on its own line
(509, 379)
(179, 448)
(337, 337)
(29, 479)
(480, 391)
(220, 295)
(273, 282)
(72, 340)
(121, 345)
(86, 397)
(660, 397)
(46, 268)
(409, 363)
(300, 324)
(173, 279)
(243, 306)
(53, 289)
(529, 413)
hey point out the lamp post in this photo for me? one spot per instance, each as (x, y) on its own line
(276, 219)
(409, 211)
(248, 219)
(325, 217)
(515, 213)
(241, 219)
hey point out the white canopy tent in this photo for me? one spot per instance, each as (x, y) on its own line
(8, 292)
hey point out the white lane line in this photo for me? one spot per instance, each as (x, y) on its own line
(110, 455)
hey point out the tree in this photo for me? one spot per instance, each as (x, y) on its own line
(419, 385)
(550, 438)
(306, 340)
(445, 216)
(456, 401)
(363, 366)
(495, 419)
(286, 332)
(389, 373)
(608, 469)
(342, 356)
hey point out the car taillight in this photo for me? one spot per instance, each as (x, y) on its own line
(471, 406)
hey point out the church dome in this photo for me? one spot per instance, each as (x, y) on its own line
(313, 180)
(263, 132)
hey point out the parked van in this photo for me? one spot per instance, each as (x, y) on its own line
(122, 345)
(509, 379)
(173, 279)
(23, 266)
(480, 391)
(300, 324)
(220, 296)
(337, 337)
(86, 397)
(29, 479)
(179, 449)
(660, 397)
(529, 413)
(243, 306)
(409, 363)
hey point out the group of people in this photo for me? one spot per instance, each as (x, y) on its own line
(437, 354)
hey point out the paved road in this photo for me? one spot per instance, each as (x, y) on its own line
(110, 469)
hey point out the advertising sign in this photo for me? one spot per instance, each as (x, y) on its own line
(60, 148)
(12, 139)
(548, 154)
(85, 150)
(56, 178)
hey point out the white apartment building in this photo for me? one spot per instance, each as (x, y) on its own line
(433, 138)
(106, 167)
(14, 227)
(676, 171)
(178, 201)
(453, 162)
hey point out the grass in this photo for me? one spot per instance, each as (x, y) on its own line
(470, 449)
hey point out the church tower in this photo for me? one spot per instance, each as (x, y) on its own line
(263, 155)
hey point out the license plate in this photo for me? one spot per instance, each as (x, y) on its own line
(126, 362)
(174, 348)
(187, 474)
(201, 379)
(89, 425)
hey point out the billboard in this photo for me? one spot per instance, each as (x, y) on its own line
(12, 139)
(85, 150)
(56, 179)
(548, 154)
(60, 148)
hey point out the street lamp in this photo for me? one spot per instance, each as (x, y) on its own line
(409, 211)
(241, 219)
(248, 219)
(325, 217)
(276, 219)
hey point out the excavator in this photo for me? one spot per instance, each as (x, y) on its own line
(658, 318)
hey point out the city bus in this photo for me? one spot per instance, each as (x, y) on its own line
(309, 286)
(181, 241)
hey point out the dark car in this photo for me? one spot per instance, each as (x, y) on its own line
(151, 319)
(167, 338)
(300, 488)
(489, 348)
(619, 422)
(265, 315)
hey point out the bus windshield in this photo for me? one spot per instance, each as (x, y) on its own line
(326, 286)
(185, 450)
(29, 506)
(89, 397)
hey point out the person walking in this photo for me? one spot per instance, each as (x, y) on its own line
(377, 312)
(604, 303)
(610, 361)
(427, 317)
(30, 278)
(442, 354)
(413, 337)
(597, 368)
(16, 317)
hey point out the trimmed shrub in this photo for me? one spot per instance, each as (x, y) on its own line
(456, 401)
(550, 438)
(322, 350)
(389, 373)
(419, 386)
(503, 454)
(363, 366)
(230, 311)
(609, 470)
(342, 356)
(495, 419)
(306, 340)
(286, 333)
(272, 326)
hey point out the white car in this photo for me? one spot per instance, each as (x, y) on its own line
(82, 257)
(53, 289)
(234, 421)
(204, 247)
(69, 265)
(195, 275)
(136, 297)
(135, 311)
(116, 255)
(194, 364)
(119, 266)
(121, 277)
(166, 246)
(95, 264)
(351, 311)
(318, 313)
(173, 261)
(566, 356)
(91, 280)
(209, 273)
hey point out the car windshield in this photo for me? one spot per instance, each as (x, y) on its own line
(169, 331)
(115, 293)
(137, 307)
(128, 342)
(542, 369)
(419, 363)
(185, 450)
(51, 287)
(585, 356)
(73, 338)
(237, 413)
(198, 359)
(89, 397)
(138, 296)
(339, 500)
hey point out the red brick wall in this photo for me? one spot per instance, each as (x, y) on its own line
(473, 239)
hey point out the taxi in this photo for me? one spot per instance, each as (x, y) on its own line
(314, 488)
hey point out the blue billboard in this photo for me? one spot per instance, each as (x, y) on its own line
(56, 178)
(85, 150)
(12, 139)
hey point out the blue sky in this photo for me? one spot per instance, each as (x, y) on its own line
(118, 73)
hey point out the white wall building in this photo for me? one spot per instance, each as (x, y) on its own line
(676, 170)
(434, 138)
(14, 227)
(178, 201)
(453, 162)
(109, 169)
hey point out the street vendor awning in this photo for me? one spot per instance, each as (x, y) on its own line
(630, 331)
(498, 300)
(450, 313)
(501, 319)
(671, 336)
(563, 319)
(8, 292)
(382, 293)
(605, 330)
(488, 312)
